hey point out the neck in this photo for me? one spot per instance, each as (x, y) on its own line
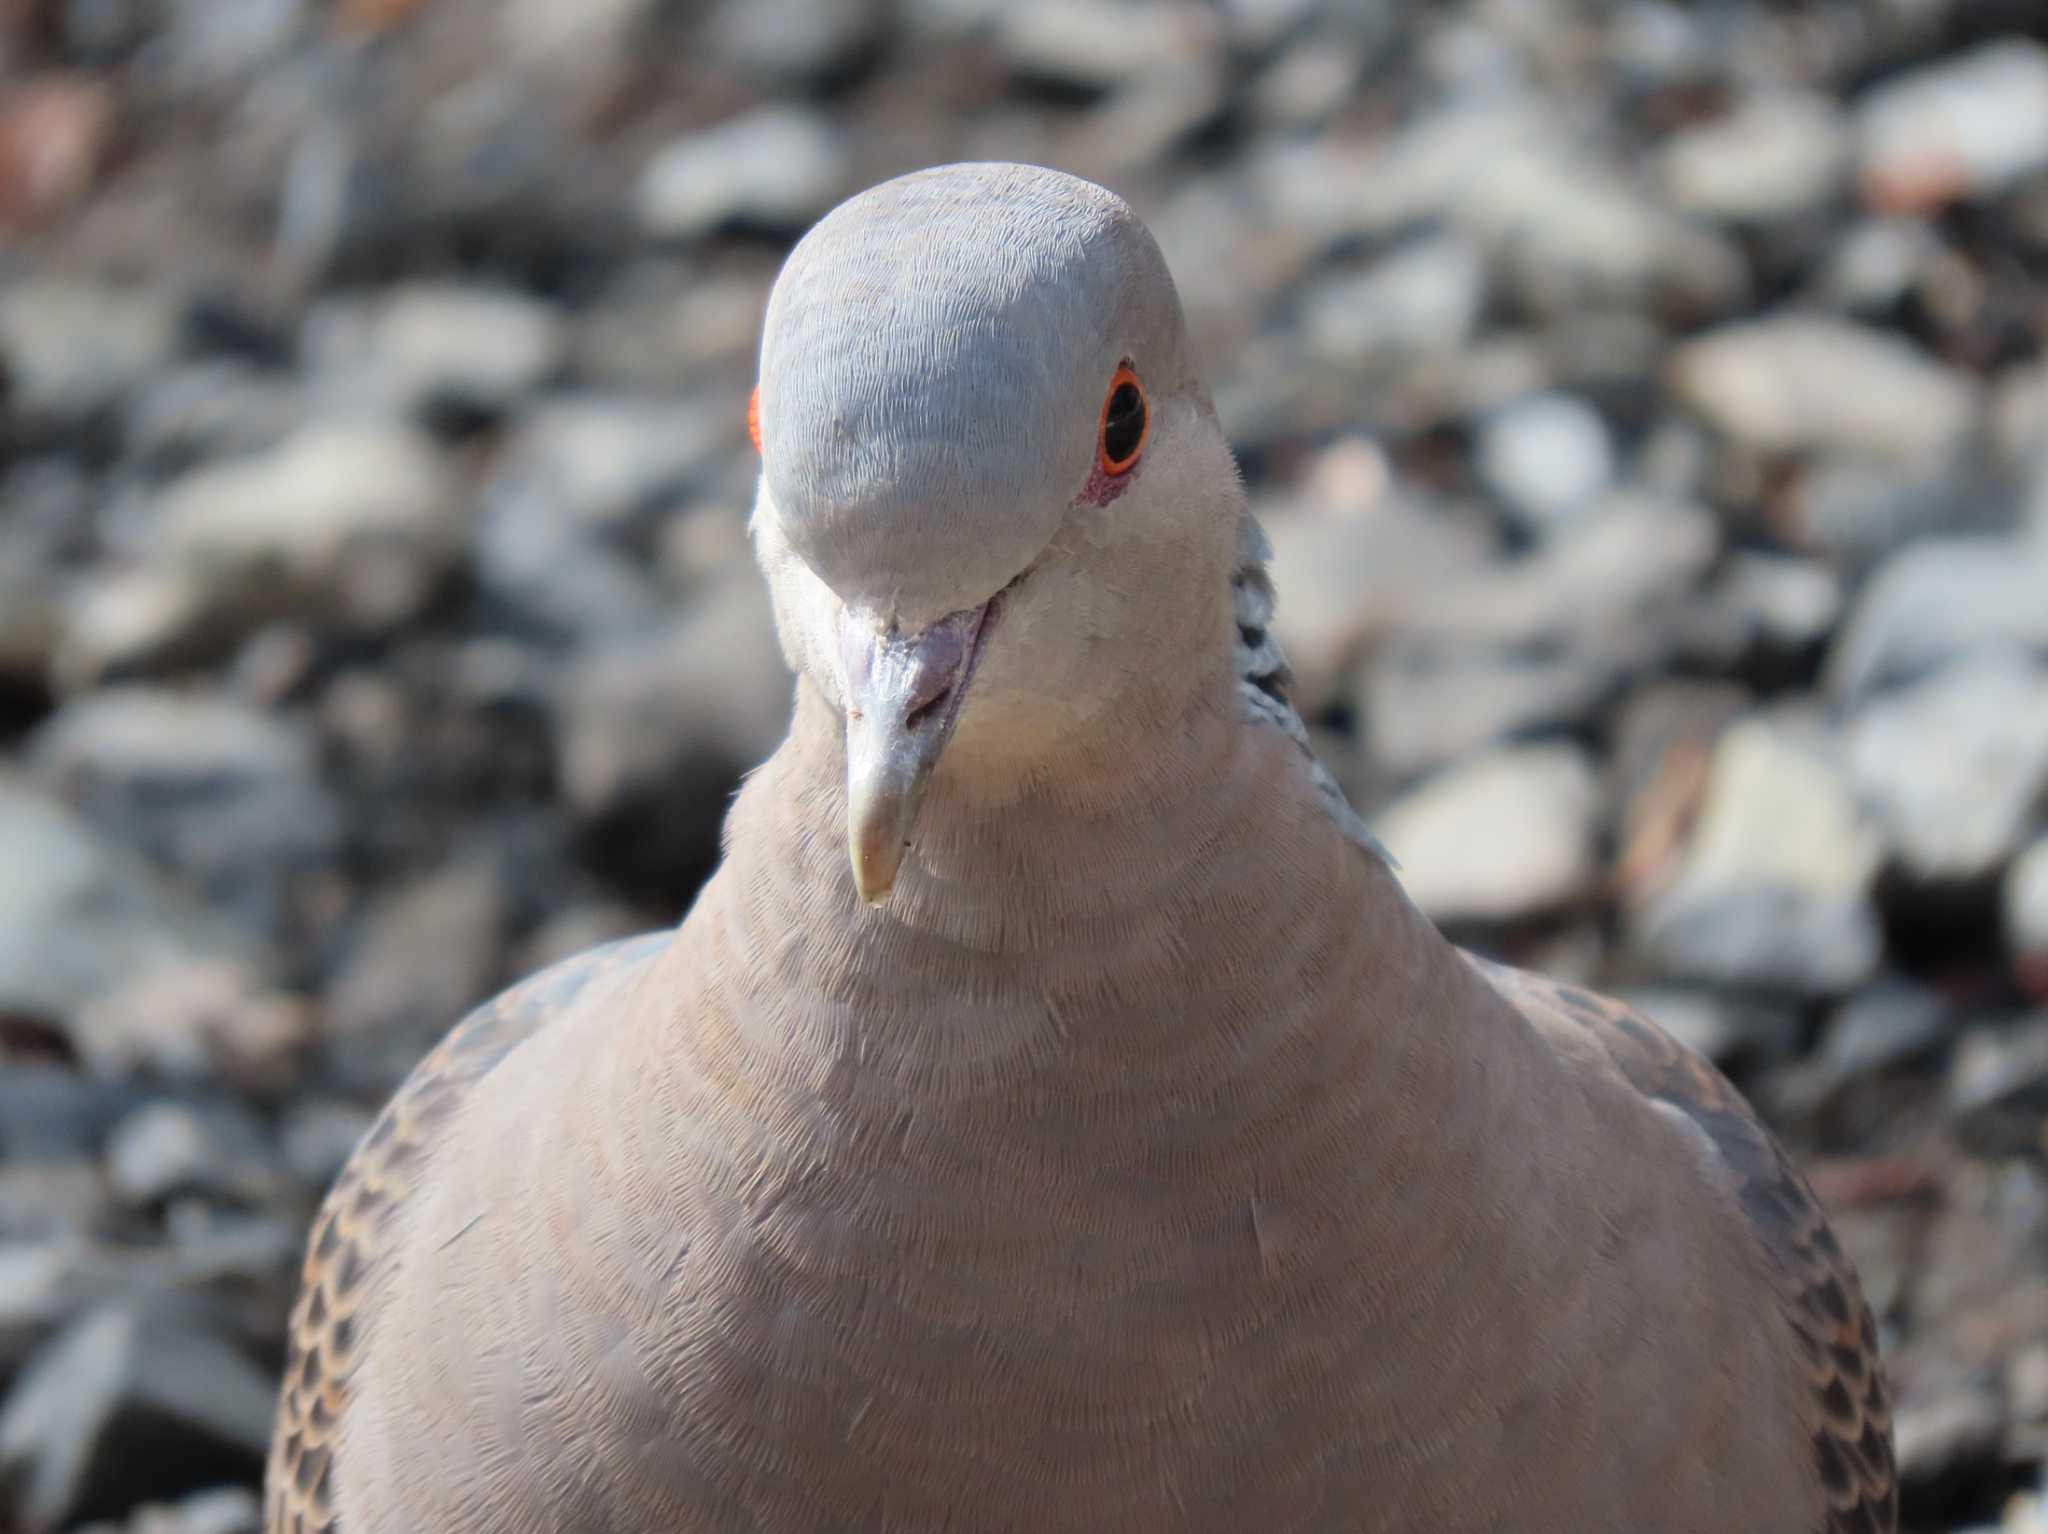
(1197, 929)
(1104, 1078)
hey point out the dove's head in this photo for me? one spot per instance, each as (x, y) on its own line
(997, 512)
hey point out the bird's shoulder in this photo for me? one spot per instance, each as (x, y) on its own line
(351, 1234)
(1848, 1408)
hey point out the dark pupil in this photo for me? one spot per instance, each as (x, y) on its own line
(1124, 424)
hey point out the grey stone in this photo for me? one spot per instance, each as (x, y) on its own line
(1771, 936)
(213, 43)
(603, 461)
(1353, 563)
(1998, 1087)
(2019, 426)
(431, 345)
(1489, 374)
(2026, 903)
(1887, 1024)
(127, 1403)
(210, 409)
(576, 47)
(128, 621)
(1424, 298)
(1780, 600)
(242, 1267)
(576, 489)
(1420, 711)
(1096, 44)
(1773, 890)
(1607, 584)
(38, 1292)
(79, 917)
(1954, 1431)
(171, 1148)
(657, 727)
(1934, 601)
(1567, 229)
(228, 1510)
(782, 42)
(1548, 457)
(1777, 385)
(1858, 511)
(317, 1138)
(427, 952)
(353, 521)
(1505, 836)
(229, 796)
(1876, 263)
(1955, 767)
(1656, 43)
(46, 1199)
(31, 622)
(50, 1113)
(666, 319)
(1965, 127)
(1774, 156)
(1140, 123)
(100, 30)
(1304, 85)
(202, 1022)
(1266, 23)
(72, 347)
(775, 166)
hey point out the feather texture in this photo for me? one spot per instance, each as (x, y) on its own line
(1148, 1162)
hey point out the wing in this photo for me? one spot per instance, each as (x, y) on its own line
(348, 1238)
(1849, 1408)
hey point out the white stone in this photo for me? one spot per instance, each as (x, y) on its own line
(1954, 765)
(1805, 384)
(2026, 901)
(358, 515)
(1505, 836)
(1975, 124)
(1548, 456)
(430, 343)
(778, 165)
(1774, 156)
(71, 346)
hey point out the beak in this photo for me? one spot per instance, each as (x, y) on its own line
(903, 697)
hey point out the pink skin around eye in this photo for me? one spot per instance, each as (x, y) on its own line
(1104, 487)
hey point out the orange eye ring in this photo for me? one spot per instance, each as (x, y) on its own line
(1125, 423)
(754, 418)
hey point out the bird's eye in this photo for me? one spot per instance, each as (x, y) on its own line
(754, 417)
(1126, 419)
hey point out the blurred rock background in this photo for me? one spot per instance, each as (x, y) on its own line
(1646, 401)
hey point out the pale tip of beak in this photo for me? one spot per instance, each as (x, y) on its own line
(874, 869)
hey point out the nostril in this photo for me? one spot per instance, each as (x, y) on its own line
(926, 709)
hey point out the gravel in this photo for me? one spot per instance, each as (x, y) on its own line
(1646, 403)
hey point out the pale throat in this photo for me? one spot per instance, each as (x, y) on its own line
(1218, 990)
(1209, 869)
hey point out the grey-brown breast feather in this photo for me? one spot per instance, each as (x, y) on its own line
(1849, 1408)
(323, 1342)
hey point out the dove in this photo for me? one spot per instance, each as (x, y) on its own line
(1053, 1115)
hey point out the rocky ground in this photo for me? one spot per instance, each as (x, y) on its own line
(1646, 402)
